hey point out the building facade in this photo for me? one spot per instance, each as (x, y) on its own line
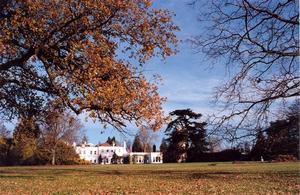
(101, 152)
(145, 157)
(104, 154)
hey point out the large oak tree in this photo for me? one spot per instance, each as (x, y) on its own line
(71, 51)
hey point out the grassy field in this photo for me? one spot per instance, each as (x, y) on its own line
(193, 178)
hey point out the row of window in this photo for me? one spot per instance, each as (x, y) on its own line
(157, 159)
(95, 161)
(95, 152)
(140, 160)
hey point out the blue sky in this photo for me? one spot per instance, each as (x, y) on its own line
(188, 79)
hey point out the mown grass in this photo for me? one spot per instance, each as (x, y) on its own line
(189, 178)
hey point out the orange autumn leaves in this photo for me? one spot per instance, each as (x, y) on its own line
(71, 52)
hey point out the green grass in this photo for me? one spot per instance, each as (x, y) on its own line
(189, 178)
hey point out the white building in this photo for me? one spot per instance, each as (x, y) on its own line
(91, 153)
(146, 157)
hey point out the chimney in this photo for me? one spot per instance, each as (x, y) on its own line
(124, 145)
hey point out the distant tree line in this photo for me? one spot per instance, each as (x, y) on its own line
(48, 137)
(187, 140)
(41, 139)
(281, 138)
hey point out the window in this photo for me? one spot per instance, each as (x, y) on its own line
(158, 159)
(112, 150)
(91, 152)
(107, 151)
(84, 152)
(95, 152)
(153, 159)
(94, 161)
(102, 151)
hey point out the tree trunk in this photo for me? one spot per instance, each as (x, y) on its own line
(53, 157)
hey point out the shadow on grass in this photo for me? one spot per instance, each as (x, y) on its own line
(16, 177)
(174, 174)
(52, 173)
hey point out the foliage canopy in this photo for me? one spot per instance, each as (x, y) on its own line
(68, 50)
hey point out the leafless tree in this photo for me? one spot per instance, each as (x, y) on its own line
(258, 41)
(148, 137)
(59, 127)
(3, 131)
(128, 145)
(214, 144)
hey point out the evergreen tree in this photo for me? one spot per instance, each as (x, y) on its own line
(85, 140)
(178, 145)
(187, 136)
(163, 149)
(283, 138)
(108, 140)
(198, 142)
(137, 145)
(259, 148)
(114, 159)
(100, 159)
(154, 148)
(111, 141)
(126, 160)
(163, 146)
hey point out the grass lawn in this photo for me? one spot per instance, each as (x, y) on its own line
(189, 178)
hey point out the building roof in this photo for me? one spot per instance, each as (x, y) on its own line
(109, 145)
(85, 145)
(104, 144)
(144, 153)
(97, 145)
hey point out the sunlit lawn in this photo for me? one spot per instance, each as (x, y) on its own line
(193, 178)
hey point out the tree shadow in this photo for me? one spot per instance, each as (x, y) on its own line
(51, 174)
(16, 177)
